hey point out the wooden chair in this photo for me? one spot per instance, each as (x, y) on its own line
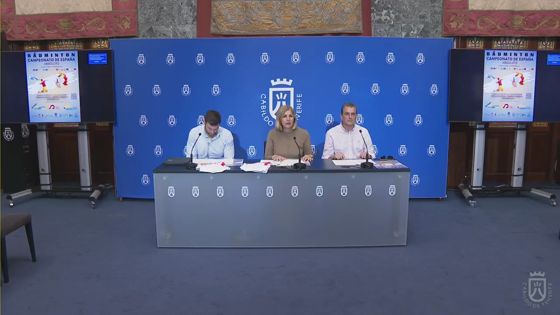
(10, 223)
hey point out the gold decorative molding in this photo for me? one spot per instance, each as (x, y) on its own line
(63, 44)
(510, 43)
(99, 43)
(475, 42)
(546, 44)
(32, 45)
(275, 17)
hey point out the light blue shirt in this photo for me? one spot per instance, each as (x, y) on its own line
(219, 147)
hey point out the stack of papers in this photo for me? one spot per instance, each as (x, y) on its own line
(256, 167)
(388, 164)
(228, 162)
(212, 168)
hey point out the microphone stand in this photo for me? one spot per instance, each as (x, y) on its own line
(190, 164)
(365, 164)
(299, 165)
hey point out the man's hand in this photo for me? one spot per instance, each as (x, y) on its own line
(364, 154)
(338, 156)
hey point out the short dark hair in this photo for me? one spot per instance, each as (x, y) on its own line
(352, 105)
(212, 117)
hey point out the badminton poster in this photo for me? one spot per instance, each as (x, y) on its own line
(509, 85)
(53, 86)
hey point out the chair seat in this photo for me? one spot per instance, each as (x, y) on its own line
(12, 222)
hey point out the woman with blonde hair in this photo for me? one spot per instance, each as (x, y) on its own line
(281, 141)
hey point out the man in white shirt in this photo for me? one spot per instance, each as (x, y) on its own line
(345, 142)
(210, 141)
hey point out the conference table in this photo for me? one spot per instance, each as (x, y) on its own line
(323, 205)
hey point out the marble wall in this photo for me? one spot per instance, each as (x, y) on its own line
(407, 18)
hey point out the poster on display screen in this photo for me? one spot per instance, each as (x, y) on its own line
(53, 86)
(509, 85)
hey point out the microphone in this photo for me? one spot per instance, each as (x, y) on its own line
(190, 164)
(298, 165)
(365, 164)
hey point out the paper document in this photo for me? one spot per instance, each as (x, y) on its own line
(212, 168)
(256, 167)
(348, 162)
(228, 162)
(285, 163)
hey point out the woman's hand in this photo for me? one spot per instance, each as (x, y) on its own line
(278, 158)
(307, 158)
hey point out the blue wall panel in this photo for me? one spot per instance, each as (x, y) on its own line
(163, 86)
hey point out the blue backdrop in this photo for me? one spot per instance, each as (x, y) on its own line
(164, 86)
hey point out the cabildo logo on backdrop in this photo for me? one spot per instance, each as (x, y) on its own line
(280, 93)
(166, 86)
